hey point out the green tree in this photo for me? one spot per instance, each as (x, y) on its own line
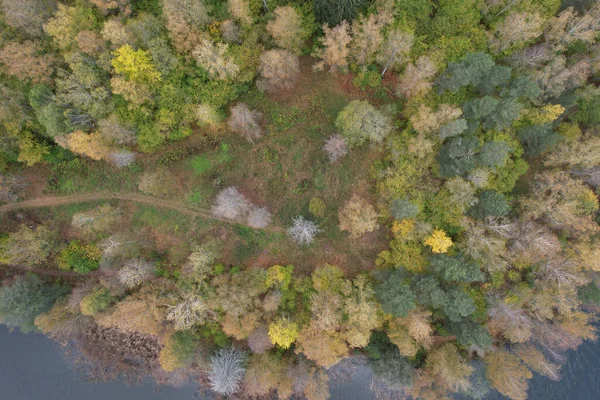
(392, 368)
(494, 153)
(460, 305)
(490, 204)
(455, 269)
(333, 12)
(470, 333)
(470, 71)
(178, 350)
(395, 296)
(24, 299)
(458, 156)
(403, 209)
(539, 138)
(96, 301)
(359, 121)
(428, 291)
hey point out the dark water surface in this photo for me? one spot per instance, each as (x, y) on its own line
(32, 367)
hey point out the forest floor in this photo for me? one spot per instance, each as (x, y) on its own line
(282, 171)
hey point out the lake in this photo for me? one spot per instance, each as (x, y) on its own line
(32, 367)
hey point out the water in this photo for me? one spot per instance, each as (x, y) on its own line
(32, 367)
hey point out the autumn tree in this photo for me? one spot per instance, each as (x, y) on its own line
(29, 15)
(335, 50)
(287, 29)
(240, 10)
(96, 301)
(135, 272)
(28, 246)
(415, 81)
(67, 22)
(359, 121)
(279, 70)
(160, 183)
(22, 61)
(358, 217)
(367, 35)
(516, 30)
(135, 65)
(507, 374)
(335, 147)
(215, 59)
(178, 350)
(394, 51)
(326, 349)
(245, 121)
(448, 366)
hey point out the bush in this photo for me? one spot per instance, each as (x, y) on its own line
(82, 258)
(96, 301)
(317, 207)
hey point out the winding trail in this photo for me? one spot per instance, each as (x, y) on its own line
(51, 201)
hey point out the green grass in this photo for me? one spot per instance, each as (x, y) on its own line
(160, 219)
(200, 164)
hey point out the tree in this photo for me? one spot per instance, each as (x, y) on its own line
(245, 121)
(279, 70)
(438, 241)
(359, 121)
(494, 153)
(367, 35)
(160, 183)
(96, 301)
(200, 262)
(336, 11)
(227, 370)
(507, 374)
(394, 369)
(394, 51)
(470, 71)
(215, 59)
(287, 29)
(428, 292)
(23, 299)
(79, 142)
(67, 22)
(283, 332)
(516, 30)
(209, 115)
(230, 204)
(455, 269)
(324, 348)
(135, 65)
(457, 156)
(490, 204)
(101, 219)
(415, 81)
(460, 305)
(357, 217)
(28, 246)
(462, 193)
(470, 333)
(135, 272)
(29, 15)
(115, 132)
(259, 217)
(240, 10)
(187, 311)
(194, 13)
(395, 296)
(303, 231)
(335, 50)
(178, 350)
(449, 368)
(135, 93)
(22, 61)
(259, 340)
(335, 147)
(538, 138)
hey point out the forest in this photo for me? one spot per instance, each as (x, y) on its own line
(262, 196)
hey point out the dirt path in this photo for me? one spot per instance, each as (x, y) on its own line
(51, 201)
(54, 272)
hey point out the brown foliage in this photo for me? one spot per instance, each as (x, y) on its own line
(279, 70)
(22, 61)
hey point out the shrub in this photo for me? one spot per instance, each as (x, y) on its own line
(96, 301)
(317, 207)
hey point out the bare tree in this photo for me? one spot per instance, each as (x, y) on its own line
(135, 272)
(259, 340)
(259, 217)
(245, 121)
(121, 158)
(187, 311)
(335, 147)
(230, 204)
(303, 231)
(227, 370)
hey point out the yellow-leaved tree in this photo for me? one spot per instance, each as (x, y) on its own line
(135, 65)
(438, 241)
(283, 332)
